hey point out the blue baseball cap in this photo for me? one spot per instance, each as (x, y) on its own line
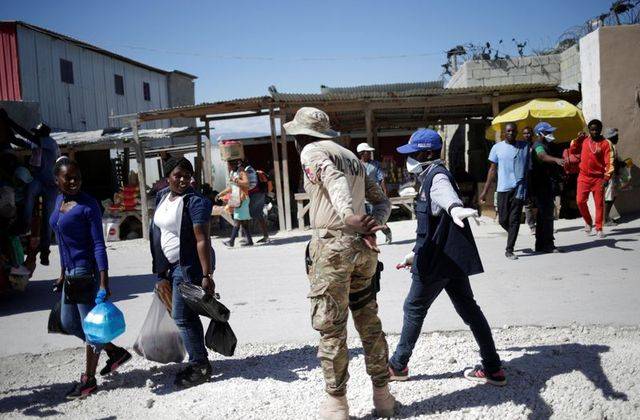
(544, 127)
(422, 140)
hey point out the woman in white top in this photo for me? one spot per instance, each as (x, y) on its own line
(181, 251)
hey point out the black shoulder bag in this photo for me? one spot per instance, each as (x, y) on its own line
(79, 289)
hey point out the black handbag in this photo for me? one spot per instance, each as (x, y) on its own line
(54, 326)
(79, 289)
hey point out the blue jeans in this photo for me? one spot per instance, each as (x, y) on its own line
(49, 193)
(72, 314)
(187, 321)
(421, 295)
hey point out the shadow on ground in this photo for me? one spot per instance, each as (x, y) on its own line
(290, 240)
(623, 231)
(43, 400)
(39, 295)
(596, 243)
(527, 375)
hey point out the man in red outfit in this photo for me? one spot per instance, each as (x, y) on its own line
(596, 168)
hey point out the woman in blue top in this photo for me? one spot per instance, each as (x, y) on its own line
(77, 223)
(181, 252)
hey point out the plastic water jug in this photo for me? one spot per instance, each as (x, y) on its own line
(104, 323)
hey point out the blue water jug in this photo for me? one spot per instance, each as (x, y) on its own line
(104, 323)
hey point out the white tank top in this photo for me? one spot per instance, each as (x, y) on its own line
(168, 217)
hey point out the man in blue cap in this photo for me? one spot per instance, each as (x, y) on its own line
(545, 185)
(443, 258)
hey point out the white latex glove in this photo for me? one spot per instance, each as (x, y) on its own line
(408, 261)
(458, 214)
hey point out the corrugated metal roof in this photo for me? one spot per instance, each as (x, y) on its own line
(350, 95)
(251, 100)
(94, 48)
(65, 138)
(255, 103)
(389, 87)
(346, 94)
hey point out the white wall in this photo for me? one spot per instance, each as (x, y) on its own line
(590, 74)
(91, 99)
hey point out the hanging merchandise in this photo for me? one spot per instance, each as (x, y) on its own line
(104, 323)
(159, 339)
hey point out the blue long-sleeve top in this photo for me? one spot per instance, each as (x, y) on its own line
(79, 233)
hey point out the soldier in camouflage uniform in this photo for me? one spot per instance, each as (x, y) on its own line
(343, 256)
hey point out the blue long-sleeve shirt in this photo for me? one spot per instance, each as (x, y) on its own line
(79, 233)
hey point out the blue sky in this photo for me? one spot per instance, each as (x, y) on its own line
(299, 45)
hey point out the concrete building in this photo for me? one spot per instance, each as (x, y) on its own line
(603, 66)
(78, 86)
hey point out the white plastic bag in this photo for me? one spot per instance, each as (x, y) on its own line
(234, 197)
(159, 339)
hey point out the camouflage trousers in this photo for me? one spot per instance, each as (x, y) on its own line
(340, 277)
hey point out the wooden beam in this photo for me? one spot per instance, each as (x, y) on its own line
(208, 174)
(199, 159)
(285, 170)
(368, 122)
(142, 175)
(495, 110)
(236, 116)
(495, 105)
(276, 170)
(201, 111)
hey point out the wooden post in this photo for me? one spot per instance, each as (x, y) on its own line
(368, 121)
(276, 169)
(142, 175)
(285, 170)
(376, 140)
(198, 159)
(495, 109)
(208, 175)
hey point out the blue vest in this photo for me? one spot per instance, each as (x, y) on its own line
(443, 249)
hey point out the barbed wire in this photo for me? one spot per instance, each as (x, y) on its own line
(621, 12)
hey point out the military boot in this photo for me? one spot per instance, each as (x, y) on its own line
(334, 408)
(383, 402)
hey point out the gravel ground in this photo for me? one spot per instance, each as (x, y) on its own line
(568, 372)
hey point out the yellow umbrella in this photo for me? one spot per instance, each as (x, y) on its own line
(567, 118)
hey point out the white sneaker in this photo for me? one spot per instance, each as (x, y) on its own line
(588, 229)
(600, 234)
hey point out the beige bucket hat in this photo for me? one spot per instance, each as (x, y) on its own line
(311, 122)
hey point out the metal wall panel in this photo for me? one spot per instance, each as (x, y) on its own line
(9, 63)
(91, 99)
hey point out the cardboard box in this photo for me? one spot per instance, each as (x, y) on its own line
(231, 150)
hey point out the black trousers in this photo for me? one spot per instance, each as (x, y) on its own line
(544, 200)
(422, 294)
(509, 213)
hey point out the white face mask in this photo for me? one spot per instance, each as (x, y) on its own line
(549, 137)
(413, 166)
